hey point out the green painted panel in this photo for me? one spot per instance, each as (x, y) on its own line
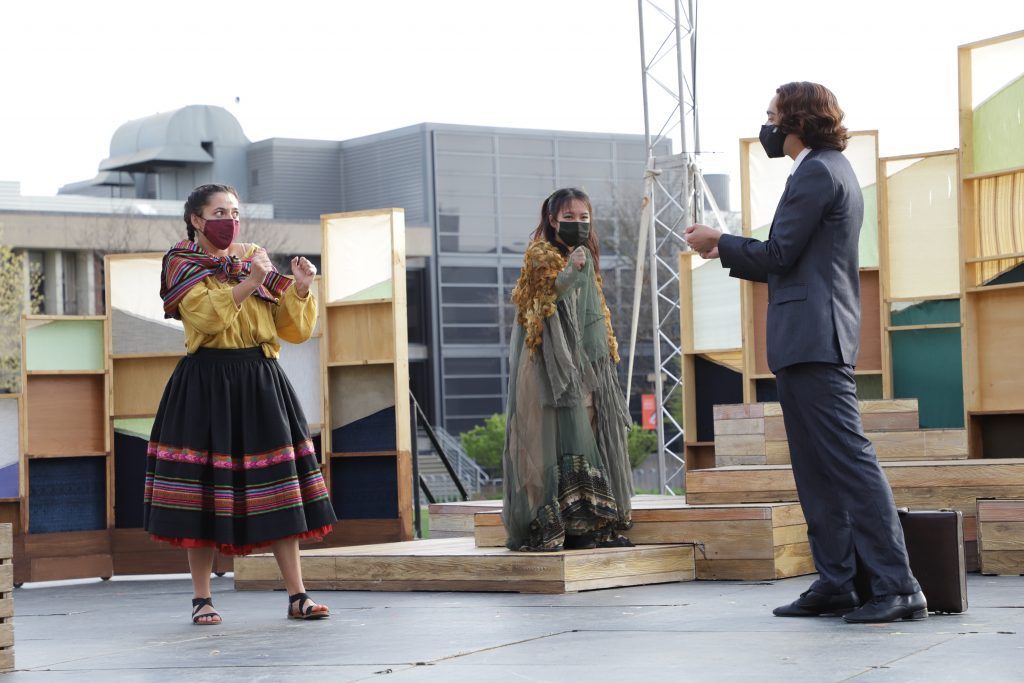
(381, 290)
(999, 129)
(142, 427)
(869, 229)
(928, 313)
(869, 387)
(926, 365)
(868, 245)
(65, 345)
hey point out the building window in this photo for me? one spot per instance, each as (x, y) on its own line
(254, 177)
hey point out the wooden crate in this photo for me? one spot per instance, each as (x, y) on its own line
(747, 542)
(6, 598)
(456, 564)
(451, 520)
(1001, 536)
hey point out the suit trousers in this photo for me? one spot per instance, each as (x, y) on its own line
(843, 492)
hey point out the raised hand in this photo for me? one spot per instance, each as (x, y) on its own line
(261, 265)
(303, 271)
(578, 258)
(703, 240)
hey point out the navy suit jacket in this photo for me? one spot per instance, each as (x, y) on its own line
(810, 263)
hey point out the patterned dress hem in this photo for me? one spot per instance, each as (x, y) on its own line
(227, 549)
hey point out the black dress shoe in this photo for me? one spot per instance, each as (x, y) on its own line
(885, 608)
(814, 604)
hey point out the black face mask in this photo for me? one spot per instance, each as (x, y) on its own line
(773, 140)
(574, 233)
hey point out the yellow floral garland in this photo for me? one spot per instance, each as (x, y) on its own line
(534, 295)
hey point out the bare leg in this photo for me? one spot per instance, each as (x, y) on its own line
(200, 563)
(286, 552)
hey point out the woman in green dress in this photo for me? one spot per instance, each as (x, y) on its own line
(568, 482)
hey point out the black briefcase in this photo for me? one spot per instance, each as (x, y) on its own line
(935, 544)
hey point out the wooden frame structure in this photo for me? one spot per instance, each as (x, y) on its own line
(66, 450)
(918, 241)
(992, 243)
(367, 437)
(762, 186)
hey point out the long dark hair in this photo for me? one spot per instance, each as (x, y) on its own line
(197, 201)
(812, 112)
(550, 209)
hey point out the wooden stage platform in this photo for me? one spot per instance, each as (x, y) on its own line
(456, 564)
(762, 541)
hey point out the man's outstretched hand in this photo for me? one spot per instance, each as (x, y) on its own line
(703, 240)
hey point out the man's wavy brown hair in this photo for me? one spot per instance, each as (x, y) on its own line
(811, 111)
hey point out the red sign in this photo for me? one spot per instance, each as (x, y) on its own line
(649, 408)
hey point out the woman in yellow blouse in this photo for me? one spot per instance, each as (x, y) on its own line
(230, 465)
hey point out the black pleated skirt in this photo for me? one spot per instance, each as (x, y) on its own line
(230, 463)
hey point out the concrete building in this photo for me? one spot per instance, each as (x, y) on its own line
(471, 196)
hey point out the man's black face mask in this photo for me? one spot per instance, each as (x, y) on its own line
(574, 233)
(772, 139)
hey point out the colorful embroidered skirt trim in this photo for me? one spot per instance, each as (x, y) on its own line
(230, 463)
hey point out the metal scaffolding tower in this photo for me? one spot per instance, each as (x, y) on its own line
(674, 197)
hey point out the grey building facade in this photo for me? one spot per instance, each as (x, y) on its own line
(477, 189)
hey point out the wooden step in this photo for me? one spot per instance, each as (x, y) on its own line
(452, 520)
(1001, 536)
(748, 542)
(917, 444)
(456, 564)
(925, 485)
(766, 418)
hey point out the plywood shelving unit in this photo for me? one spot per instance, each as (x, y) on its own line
(366, 377)
(992, 243)
(66, 466)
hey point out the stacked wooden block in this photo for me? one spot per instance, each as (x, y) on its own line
(755, 434)
(6, 598)
(927, 469)
(1001, 536)
(748, 542)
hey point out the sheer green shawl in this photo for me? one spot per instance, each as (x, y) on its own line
(566, 468)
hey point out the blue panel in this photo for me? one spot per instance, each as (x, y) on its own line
(129, 480)
(67, 494)
(364, 487)
(9, 481)
(371, 434)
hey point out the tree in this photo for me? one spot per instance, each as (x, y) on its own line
(641, 443)
(484, 443)
(12, 306)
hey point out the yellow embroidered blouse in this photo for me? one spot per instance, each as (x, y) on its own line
(212, 319)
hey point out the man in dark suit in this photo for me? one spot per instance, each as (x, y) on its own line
(810, 262)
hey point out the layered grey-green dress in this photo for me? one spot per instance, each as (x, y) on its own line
(566, 466)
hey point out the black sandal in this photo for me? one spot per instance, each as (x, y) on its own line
(198, 604)
(307, 613)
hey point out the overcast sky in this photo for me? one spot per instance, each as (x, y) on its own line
(74, 71)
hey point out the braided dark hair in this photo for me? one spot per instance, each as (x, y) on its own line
(198, 199)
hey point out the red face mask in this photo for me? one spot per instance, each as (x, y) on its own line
(221, 232)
